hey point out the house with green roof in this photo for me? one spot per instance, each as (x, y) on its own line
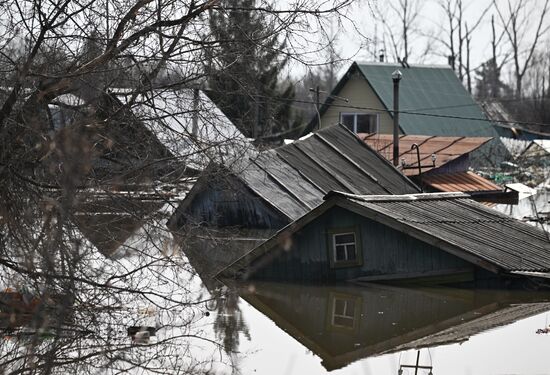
(432, 102)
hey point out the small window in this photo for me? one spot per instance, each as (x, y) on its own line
(343, 313)
(344, 249)
(360, 122)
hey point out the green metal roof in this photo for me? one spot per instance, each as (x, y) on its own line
(432, 90)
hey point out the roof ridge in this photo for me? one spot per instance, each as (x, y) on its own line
(398, 198)
(396, 64)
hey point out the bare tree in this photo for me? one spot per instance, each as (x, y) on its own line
(101, 124)
(517, 22)
(456, 36)
(404, 16)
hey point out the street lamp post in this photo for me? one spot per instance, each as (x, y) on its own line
(396, 77)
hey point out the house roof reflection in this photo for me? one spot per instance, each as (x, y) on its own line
(342, 324)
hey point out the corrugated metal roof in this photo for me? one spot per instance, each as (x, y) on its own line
(460, 181)
(433, 90)
(446, 149)
(294, 178)
(335, 159)
(450, 221)
(189, 125)
(469, 226)
(280, 185)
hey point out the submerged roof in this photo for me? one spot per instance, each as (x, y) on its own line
(294, 178)
(446, 149)
(432, 100)
(460, 181)
(449, 221)
(189, 125)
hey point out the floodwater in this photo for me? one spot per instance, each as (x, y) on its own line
(374, 329)
(188, 322)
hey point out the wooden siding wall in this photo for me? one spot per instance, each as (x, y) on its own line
(360, 94)
(227, 202)
(385, 252)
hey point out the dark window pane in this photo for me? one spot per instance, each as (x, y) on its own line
(351, 252)
(366, 123)
(350, 308)
(348, 121)
(340, 253)
(339, 307)
(343, 322)
(344, 238)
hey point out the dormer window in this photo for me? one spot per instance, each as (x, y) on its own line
(360, 122)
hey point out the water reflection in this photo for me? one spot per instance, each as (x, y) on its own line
(342, 324)
(135, 303)
(104, 291)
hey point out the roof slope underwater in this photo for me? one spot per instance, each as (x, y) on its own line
(432, 100)
(294, 178)
(449, 221)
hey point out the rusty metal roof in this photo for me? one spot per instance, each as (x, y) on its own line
(450, 221)
(446, 149)
(460, 181)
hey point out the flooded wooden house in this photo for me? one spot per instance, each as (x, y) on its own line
(139, 137)
(235, 207)
(439, 238)
(271, 189)
(345, 323)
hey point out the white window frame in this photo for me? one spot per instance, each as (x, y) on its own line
(355, 114)
(345, 244)
(350, 318)
(347, 262)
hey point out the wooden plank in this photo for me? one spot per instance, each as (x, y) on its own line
(347, 158)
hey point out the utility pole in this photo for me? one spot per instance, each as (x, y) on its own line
(317, 105)
(256, 128)
(318, 92)
(396, 77)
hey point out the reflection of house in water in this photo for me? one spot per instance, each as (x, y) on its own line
(343, 324)
(110, 221)
(24, 314)
(442, 238)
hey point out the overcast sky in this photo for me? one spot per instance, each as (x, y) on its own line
(361, 37)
